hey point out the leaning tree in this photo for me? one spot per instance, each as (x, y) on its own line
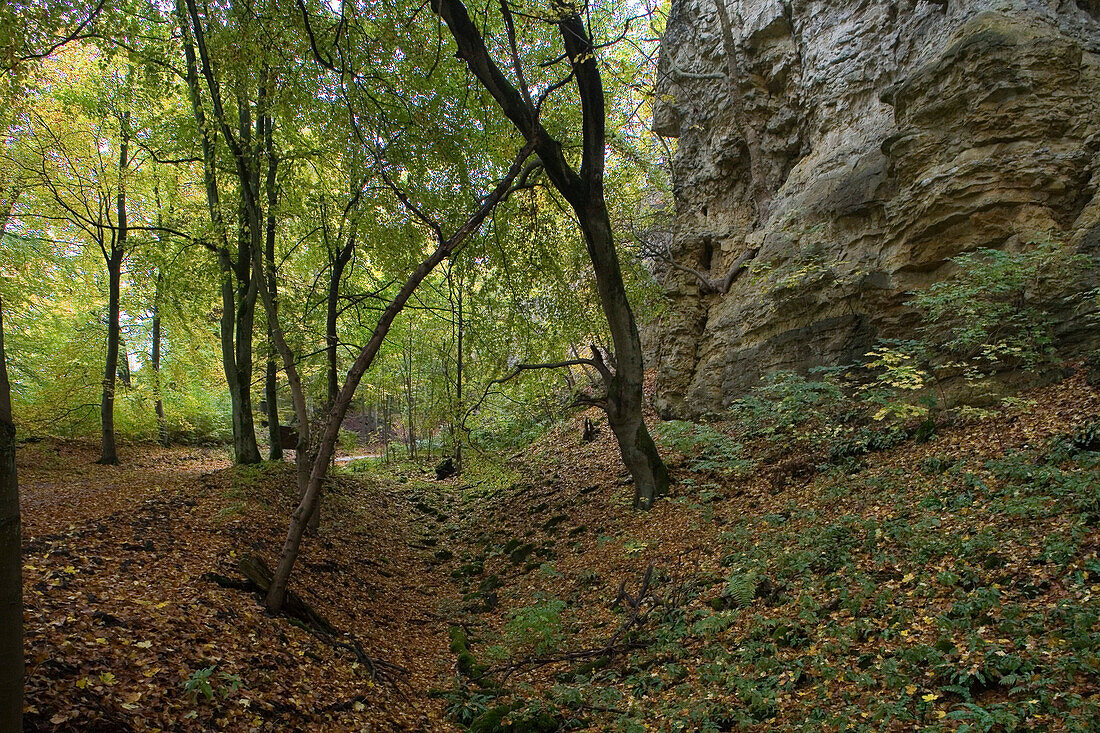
(583, 189)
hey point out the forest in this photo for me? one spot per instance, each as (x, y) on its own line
(530, 366)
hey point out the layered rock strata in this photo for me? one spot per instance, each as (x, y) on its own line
(846, 151)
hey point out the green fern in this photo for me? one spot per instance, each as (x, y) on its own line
(741, 587)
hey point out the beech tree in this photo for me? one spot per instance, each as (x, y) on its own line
(250, 153)
(83, 189)
(583, 189)
(11, 575)
(310, 485)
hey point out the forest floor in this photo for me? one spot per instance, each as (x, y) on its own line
(950, 584)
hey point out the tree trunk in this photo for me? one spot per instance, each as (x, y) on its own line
(247, 450)
(11, 581)
(250, 233)
(158, 406)
(625, 398)
(113, 258)
(332, 341)
(456, 454)
(410, 429)
(271, 385)
(109, 453)
(334, 419)
(11, 565)
(584, 190)
(237, 317)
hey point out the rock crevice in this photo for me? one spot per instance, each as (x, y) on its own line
(891, 136)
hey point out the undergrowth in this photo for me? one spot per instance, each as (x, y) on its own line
(960, 593)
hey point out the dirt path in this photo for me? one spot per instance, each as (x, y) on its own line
(125, 630)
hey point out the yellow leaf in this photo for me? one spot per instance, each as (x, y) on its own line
(144, 644)
(930, 697)
(107, 678)
(910, 689)
(82, 683)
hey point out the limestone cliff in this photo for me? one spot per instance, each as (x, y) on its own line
(885, 136)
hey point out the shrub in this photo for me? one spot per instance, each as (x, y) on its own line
(988, 316)
(706, 448)
(537, 627)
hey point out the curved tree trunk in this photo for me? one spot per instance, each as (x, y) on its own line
(625, 397)
(326, 446)
(584, 190)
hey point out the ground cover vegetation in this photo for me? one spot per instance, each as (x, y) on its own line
(396, 239)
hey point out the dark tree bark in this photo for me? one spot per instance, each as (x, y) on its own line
(584, 191)
(332, 342)
(271, 384)
(11, 565)
(239, 302)
(158, 406)
(407, 373)
(456, 452)
(113, 257)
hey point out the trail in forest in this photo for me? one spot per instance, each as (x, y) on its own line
(126, 630)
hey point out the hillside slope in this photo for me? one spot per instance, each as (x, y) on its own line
(950, 584)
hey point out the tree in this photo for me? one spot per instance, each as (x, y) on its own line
(11, 579)
(583, 190)
(249, 150)
(113, 257)
(81, 188)
(310, 485)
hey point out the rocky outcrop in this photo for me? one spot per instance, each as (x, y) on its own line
(890, 135)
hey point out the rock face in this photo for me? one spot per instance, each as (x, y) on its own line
(888, 136)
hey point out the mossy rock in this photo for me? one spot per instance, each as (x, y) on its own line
(467, 663)
(521, 553)
(578, 530)
(552, 523)
(492, 721)
(490, 584)
(443, 555)
(477, 567)
(512, 545)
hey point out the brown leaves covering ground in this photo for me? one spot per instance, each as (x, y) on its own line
(118, 614)
(597, 542)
